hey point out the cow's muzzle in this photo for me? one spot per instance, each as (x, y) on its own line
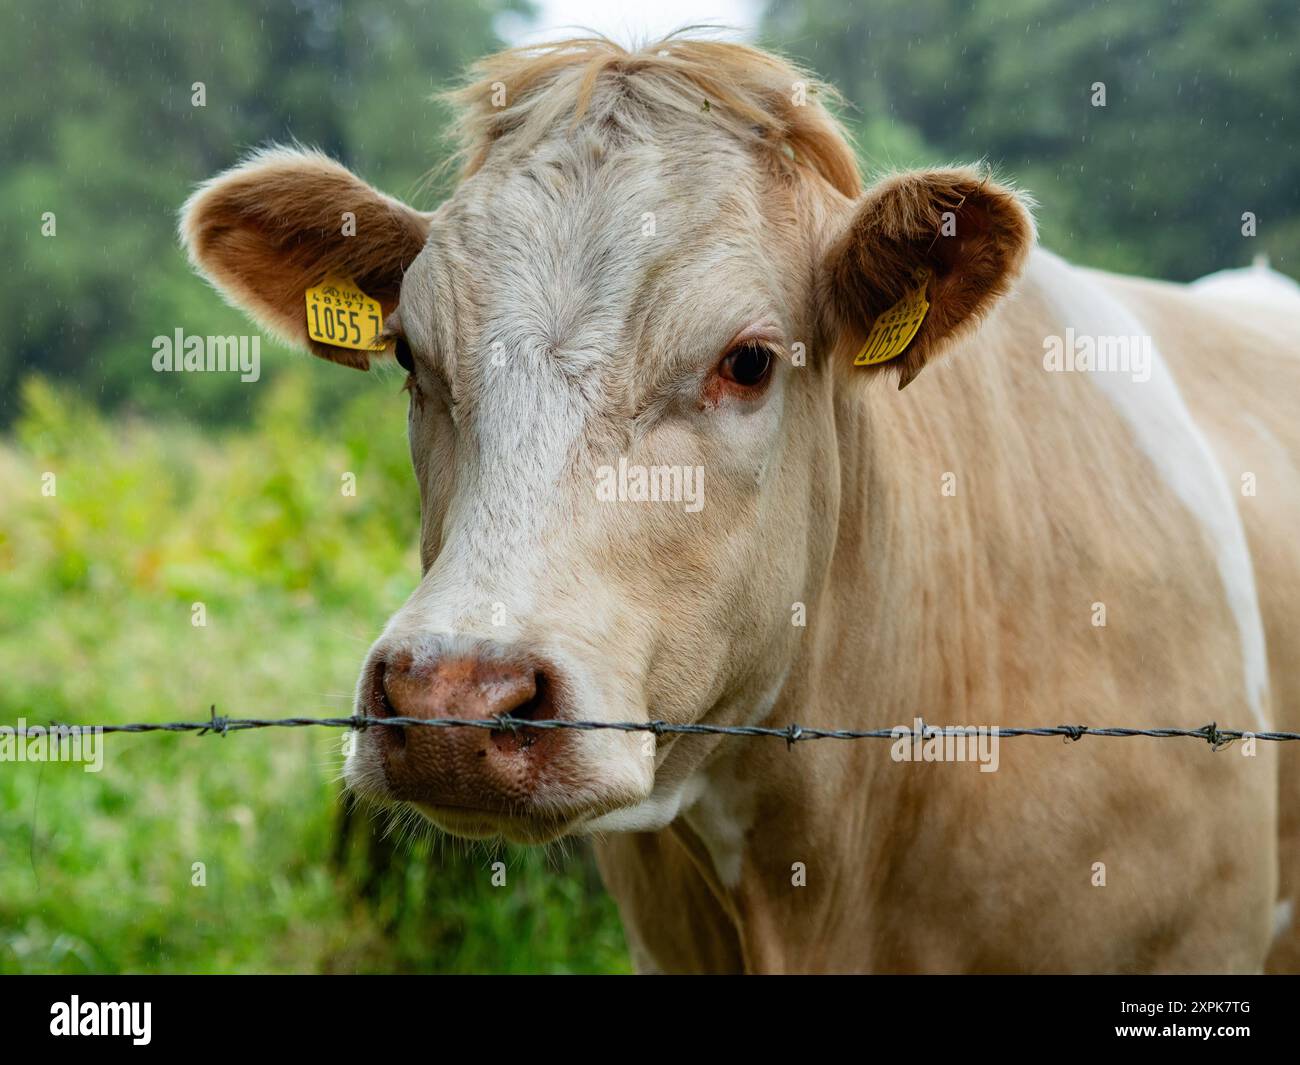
(472, 781)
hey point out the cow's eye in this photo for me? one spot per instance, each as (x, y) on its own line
(748, 365)
(402, 352)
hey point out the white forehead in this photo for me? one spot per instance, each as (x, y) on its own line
(595, 262)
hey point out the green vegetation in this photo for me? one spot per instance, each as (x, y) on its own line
(245, 515)
(296, 578)
(103, 133)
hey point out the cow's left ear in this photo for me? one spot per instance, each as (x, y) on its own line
(953, 239)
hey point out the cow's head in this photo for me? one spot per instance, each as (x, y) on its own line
(651, 280)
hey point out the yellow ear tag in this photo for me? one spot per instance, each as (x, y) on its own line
(340, 314)
(896, 327)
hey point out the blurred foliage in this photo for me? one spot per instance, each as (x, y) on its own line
(101, 131)
(1198, 125)
(296, 578)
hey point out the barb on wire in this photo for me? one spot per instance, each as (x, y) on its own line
(1214, 735)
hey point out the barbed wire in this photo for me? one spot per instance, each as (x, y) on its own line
(217, 725)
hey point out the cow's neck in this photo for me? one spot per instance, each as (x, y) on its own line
(886, 643)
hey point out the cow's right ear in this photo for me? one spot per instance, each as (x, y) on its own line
(276, 225)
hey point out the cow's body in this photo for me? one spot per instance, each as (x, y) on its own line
(977, 608)
(667, 257)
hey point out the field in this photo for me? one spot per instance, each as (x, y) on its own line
(97, 623)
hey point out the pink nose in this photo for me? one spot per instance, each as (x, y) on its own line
(462, 767)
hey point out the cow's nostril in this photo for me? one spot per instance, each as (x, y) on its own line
(537, 704)
(535, 707)
(381, 705)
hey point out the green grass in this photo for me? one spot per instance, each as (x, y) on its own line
(97, 590)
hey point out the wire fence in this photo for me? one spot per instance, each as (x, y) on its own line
(1212, 734)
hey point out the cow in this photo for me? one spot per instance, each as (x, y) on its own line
(665, 259)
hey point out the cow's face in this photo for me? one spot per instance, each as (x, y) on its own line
(622, 423)
(614, 431)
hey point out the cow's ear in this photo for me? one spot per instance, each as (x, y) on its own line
(278, 224)
(953, 239)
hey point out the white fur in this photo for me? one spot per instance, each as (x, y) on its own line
(1164, 429)
(1255, 284)
(1283, 915)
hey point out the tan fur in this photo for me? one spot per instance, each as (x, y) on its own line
(554, 331)
(974, 609)
(749, 94)
(1250, 419)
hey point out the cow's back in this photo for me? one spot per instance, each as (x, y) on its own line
(1232, 343)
